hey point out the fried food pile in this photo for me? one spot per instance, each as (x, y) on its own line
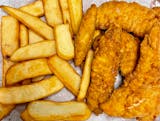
(114, 38)
(129, 43)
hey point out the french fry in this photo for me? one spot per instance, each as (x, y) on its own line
(39, 78)
(85, 76)
(64, 43)
(26, 70)
(34, 38)
(33, 51)
(6, 65)
(64, 71)
(26, 82)
(5, 110)
(52, 12)
(53, 111)
(31, 22)
(65, 11)
(27, 93)
(26, 117)
(35, 8)
(10, 42)
(23, 35)
(75, 10)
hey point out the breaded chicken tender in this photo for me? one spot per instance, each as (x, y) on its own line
(85, 34)
(157, 11)
(104, 69)
(139, 97)
(129, 53)
(132, 17)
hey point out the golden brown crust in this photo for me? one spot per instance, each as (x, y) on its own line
(132, 17)
(104, 69)
(139, 96)
(84, 40)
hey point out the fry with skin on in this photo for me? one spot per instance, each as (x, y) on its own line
(55, 111)
(33, 51)
(5, 110)
(26, 70)
(34, 38)
(23, 35)
(64, 71)
(35, 8)
(85, 34)
(85, 76)
(75, 10)
(52, 12)
(10, 42)
(31, 22)
(6, 65)
(64, 43)
(26, 117)
(31, 92)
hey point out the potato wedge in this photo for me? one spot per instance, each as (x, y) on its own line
(33, 51)
(53, 111)
(85, 76)
(5, 110)
(23, 35)
(75, 10)
(52, 12)
(65, 11)
(6, 65)
(27, 93)
(64, 42)
(10, 35)
(31, 22)
(39, 78)
(35, 8)
(64, 71)
(26, 117)
(34, 38)
(26, 70)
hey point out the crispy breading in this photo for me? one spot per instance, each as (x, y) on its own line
(132, 17)
(157, 11)
(84, 40)
(129, 53)
(104, 69)
(139, 96)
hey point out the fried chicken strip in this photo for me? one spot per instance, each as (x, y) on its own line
(140, 95)
(129, 53)
(132, 17)
(157, 11)
(84, 40)
(104, 69)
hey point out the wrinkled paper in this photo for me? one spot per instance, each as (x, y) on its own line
(65, 95)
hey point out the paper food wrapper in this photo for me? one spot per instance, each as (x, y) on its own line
(65, 95)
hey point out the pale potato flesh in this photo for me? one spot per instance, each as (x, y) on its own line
(52, 12)
(85, 76)
(34, 37)
(10, 42)
(53, 111)
(33, 51)
(26, 70)
(31, 22)
(27, 93)
(35, 8)
(75, 10)
(64, 71)
(64, 42)
(23, 35)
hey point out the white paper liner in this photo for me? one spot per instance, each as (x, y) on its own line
(65, 95)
